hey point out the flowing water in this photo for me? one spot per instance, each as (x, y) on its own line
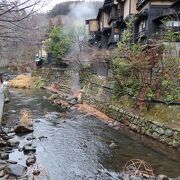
(77, 146)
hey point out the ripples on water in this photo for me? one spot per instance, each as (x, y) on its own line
(78, 147)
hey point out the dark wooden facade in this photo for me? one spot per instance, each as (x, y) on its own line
(114, 14)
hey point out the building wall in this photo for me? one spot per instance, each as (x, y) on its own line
(126, 8)
(133, 6)
(105, 20)
(162, 2)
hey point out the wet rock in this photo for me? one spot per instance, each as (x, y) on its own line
(20, 149)
(13, 142)
(73, 102)
(4, 156)
(2, 143)
(7, 100)
(11, 162)
(29, 149)
(12, 112)
(3, 164)
(155, 135)
(53, 96)
(31, 160)
(36, 172)
(1, 173)
(73, 108)
(42, 137)
(31, 138)
(168, 132)
(176, 144)
(52, 115)
(21, 129)
(37, 121)
(134, 127)
(15, 170)
(162, 177)
(113, 145)
(160, 131)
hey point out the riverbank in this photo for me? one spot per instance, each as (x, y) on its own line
(153, 129)
(164, 133)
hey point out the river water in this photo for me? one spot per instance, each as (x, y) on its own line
(77, 146)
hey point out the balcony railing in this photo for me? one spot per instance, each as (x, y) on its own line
(140, 3)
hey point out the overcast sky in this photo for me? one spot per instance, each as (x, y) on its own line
(52, 3)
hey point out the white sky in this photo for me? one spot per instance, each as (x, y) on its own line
(52, 3)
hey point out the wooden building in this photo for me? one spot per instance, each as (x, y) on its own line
(106, 29)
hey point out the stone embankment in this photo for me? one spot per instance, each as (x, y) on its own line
(151, 128)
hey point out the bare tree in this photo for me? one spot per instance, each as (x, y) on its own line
(20, 28)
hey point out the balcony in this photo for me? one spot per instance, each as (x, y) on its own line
(140, 3)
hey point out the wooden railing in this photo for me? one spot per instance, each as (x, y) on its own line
(140, 3)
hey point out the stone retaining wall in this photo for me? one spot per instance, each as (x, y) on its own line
(155, 130)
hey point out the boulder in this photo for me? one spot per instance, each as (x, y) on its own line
(2, 143)
(4, 156)
(15, 170)
(162, 177)
(1, 173)
(13, 142)
(31, 160)
(21, 129)
(11, 162)
(3, 164)
(29, 149)
(160, 131)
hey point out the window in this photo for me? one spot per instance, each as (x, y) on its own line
(116, 37)
(142, 25)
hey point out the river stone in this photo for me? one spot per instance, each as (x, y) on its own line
(2, 143)
(3, 164)
(155, 135)
(15, 170)
(168, 132)
(6, 100)
(13, 142)
(176, 144)
(21, 129)
(11, 162)
(31, 160)
(1, 173)
(160, 131)
(134, 127)
(4, 156)
(53, 96)
(27, 149)
(162, 177)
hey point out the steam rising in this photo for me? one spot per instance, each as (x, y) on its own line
(82, 11)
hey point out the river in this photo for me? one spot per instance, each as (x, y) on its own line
(77, 146)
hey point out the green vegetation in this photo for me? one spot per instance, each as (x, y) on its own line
(58, 44)
(144, 73)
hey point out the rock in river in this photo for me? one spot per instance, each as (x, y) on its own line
(13, 142)
(28, 148)
(21, 129)
(4, 156)
(15, 170)
(31, 160)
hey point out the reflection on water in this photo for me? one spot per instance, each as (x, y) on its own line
(78, 147)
